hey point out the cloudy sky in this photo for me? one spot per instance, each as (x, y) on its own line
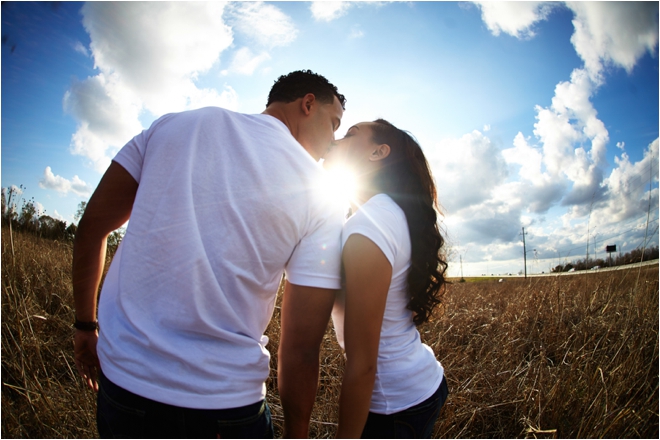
(536, 115)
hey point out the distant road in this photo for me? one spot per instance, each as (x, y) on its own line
(602, 269)
(577, 272)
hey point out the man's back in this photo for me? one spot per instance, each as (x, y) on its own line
(225, 201)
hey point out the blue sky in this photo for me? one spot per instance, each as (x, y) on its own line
(535, 115)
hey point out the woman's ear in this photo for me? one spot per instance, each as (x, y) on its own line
(380, 153)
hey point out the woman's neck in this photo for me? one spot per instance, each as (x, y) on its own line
(362, 196)
(367, 187)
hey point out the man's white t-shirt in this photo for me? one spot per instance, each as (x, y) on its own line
(407, 370)
(225, 203)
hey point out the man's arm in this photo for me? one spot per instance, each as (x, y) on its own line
(108, 209)
(304, 318)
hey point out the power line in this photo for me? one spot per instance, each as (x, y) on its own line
(604, 239)
(648, 213)
(644, 241)
(493, 266)
(627, 182)
(639, 177)
(649, 167)
(524, 250)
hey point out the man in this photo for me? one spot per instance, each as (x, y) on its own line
(220, 204)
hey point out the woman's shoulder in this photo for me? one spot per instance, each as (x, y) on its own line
(382, 221)
(380, 212)
(383, 204)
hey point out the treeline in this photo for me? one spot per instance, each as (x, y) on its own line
(634, 256)
(29, 219)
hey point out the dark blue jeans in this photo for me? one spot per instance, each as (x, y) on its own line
(122, 414)
(414, 422)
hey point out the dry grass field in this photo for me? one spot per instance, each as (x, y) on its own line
(552, 357)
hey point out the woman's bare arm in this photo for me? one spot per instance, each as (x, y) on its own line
(368, 277)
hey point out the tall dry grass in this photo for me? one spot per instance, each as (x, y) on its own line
(42, 396)
(557, 357)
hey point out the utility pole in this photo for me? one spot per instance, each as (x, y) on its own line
(586, 263)
(595, 249)
(648, 213)
(524, 251)
(461, 258)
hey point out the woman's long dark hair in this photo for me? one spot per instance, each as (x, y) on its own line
(407, 179)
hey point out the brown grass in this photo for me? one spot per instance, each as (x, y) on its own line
(42, 396)
(554, 357)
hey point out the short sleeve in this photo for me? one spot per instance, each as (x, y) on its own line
(316, 260)
(131, 156)
(378, 223)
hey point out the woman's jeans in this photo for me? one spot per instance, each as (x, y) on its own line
(122, 414)
(414, 422)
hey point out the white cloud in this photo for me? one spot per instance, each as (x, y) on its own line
(12, 196)
(622, 203)
(497, 220)
(80, 48)
(467, 170)
(198, 98)
(16, 191)
(613, 32)
(486, 209)
(574, 139)
(107, 117)
(328, 11)
(471, 174)
(567, 163)
(627, 186)
(88, 144)
(617, 33)
(529, 158)
(538, 190)
(39, 208)
(57, 216)
(149, 55)
(513, 18)
(491, 223)
(265, 24)
(104, 105)
(245, 62)
(156, 49)
(356, 33)
(62, 185)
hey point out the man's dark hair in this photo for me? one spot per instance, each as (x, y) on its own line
(297, 84)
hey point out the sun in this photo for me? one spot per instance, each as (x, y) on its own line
(339, 186)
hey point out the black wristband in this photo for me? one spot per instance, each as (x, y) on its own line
(86, 326)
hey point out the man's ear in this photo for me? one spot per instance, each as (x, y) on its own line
(380, 153)
(307, 103)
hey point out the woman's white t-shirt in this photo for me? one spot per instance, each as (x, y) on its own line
(226, 202)
(407, 370)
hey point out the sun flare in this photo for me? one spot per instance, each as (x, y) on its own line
(339, 186)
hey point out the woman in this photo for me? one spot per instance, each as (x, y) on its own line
(393, 386)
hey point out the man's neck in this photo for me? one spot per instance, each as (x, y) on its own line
(278, 113)
(282, 112)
